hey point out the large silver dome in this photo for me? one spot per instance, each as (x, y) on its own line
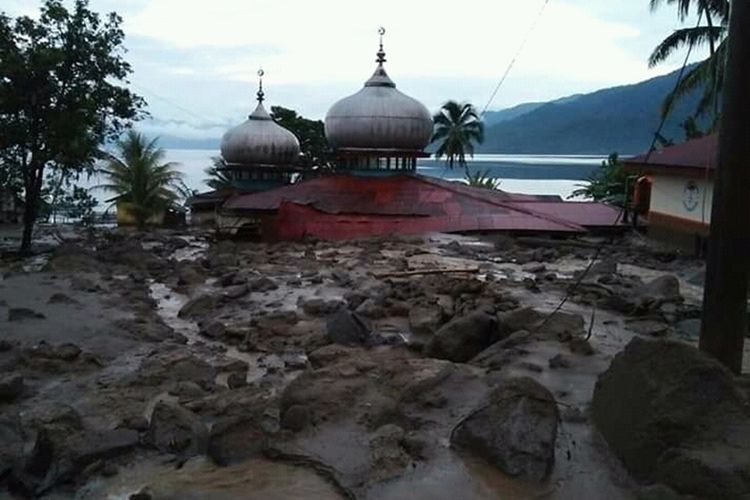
(259, 141)
(379, 117)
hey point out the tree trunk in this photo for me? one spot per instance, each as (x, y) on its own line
(724, 323)
(31, 208)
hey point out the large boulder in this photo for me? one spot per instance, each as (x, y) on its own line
(426, 319)
(559, 325)
(234, 440)
(463, 338)
(199, 306)
(515, 430)
(11, 387)
(177, 430)
(664, 287)
(674, 415)
(349, 328)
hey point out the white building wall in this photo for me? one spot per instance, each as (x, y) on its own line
(684, 197)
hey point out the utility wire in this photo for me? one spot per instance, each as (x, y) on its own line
(515, 57)
(208, 121)
(600, 247)
(665, 113)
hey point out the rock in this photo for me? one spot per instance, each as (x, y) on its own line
(604, 267)
(649, 327)
(11, 435)
(561, 325)
(188, 275)
(180, 367)
(199, 306)
(664, 287)
(676, 416)
(320, 307)
(341, 278)
(329, 354)
(177, 430)
(212, 329)
(371, 309)
(83, 284)
(349, 328)
(426, 320)
(574, 415)
(23, 313)
(355, 298)
(235, 292)
(560, 361)
(295, 418)
(516, 430)
(262, 284)
(236, 380)
(186, 389)
(578, 345)
(136, 422)
(534, 268)
(463, 338)
(11, 387)
(145, 493)
(66, 352)
(234, 440)
(526, 318)
(61, 298)
(88, 447)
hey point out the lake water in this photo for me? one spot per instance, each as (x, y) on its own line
(527, 174)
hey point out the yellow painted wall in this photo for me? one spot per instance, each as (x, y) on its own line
(670, 195)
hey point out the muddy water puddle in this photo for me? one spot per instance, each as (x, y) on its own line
(169, 304)
(256, 479)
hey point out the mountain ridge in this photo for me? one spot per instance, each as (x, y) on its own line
(619, 119)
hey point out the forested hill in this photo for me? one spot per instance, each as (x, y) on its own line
(619, 119)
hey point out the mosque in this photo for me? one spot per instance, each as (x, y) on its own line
(376, 136)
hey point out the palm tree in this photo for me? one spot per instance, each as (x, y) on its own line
(458, 127)
(139, 178)
(217, 175)
(482, 179)
(708, 74)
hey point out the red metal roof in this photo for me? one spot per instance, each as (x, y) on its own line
(584, 213)
(347, 206)
(700, 153)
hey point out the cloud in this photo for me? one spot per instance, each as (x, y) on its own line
(196, 62)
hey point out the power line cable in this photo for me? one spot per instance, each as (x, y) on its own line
(208, 121)
(620, 213)
(515, 57)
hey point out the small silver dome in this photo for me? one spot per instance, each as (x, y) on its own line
(259, 140)
(379, 117)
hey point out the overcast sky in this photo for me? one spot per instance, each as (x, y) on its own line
(196, 61)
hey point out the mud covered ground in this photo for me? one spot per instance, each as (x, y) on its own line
(170, 366)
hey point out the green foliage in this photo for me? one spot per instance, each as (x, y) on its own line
(608, 183)
(708, 74)
(482, 179)
(61, 196)
(310, 133)
(138, 176)
(217, 175)
(458, 128)
(60, 94)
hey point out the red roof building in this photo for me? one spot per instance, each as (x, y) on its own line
(340, 207)
(675, 190)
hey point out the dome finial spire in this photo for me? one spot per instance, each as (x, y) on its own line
(381, 53)
(261, 95)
